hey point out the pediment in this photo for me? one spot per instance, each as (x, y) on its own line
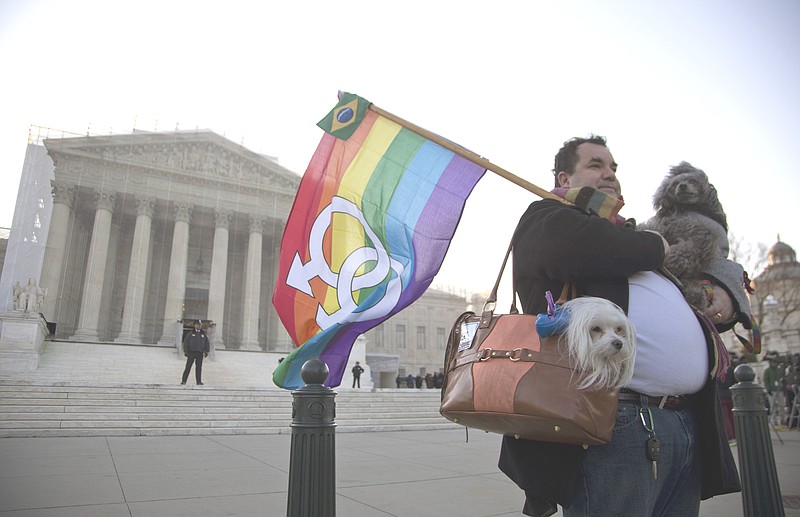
(201, 157)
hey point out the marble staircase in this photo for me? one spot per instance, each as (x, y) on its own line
(106, 390)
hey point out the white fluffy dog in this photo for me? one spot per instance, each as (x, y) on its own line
(601, 342)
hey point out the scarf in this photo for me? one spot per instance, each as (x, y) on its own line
(599, 203)
(593, 201)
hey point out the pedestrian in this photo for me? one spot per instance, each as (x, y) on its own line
(357, 371)
(672, 399)
(410, 381)
(418, 381)
(775, 392)
(195, 348)
(791, 381)
(772, 377)
(399, 380)
(429, 380)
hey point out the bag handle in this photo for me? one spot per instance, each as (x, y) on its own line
(569, 291)
(493, 295)
(491, 301)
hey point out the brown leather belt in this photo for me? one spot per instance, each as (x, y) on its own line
(667, 402)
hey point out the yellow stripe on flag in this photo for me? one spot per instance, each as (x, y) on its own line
(347, 232)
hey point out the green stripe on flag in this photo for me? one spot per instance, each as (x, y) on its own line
(379, 192)
(384, 180)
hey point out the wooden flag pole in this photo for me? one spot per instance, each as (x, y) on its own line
(466, 153)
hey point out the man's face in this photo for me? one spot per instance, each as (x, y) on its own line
(596, 168)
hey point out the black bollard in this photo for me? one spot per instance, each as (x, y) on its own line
(312, 461)
(761, 492)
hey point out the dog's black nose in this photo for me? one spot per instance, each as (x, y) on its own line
(617, 344)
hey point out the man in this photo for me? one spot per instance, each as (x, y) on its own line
(775, 392)
(606, 257)
(772, 378)
(357, 371)
(195, 347)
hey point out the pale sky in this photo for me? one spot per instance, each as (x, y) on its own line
(715, 83)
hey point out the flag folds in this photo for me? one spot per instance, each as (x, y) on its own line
(369, 229)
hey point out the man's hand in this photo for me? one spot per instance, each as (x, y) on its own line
(721, 309)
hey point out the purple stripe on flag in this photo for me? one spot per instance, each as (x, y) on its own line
(443, 210)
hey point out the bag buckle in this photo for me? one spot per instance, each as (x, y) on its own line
(511, 355)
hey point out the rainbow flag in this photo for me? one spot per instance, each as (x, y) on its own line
(368, 231)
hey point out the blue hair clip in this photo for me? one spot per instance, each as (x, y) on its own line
(555, 321)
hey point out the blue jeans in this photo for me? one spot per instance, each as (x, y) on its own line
(617, 478)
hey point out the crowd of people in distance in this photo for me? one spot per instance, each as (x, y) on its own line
(781, 379)
(430, 381)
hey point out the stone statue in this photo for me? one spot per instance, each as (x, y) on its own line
(16, 292)
(29, 299)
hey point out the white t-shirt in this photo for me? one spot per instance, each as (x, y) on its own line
(671, 352)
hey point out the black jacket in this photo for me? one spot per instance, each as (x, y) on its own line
(196, 341)
(554, 243)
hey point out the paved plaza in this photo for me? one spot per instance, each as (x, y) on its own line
(379, 474)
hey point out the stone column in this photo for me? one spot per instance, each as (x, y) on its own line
(219, 274)
(95, 268)
(55, 251)
(137, 272)
(110, 297)
(278, 339)
(252, 285)
(176, 285)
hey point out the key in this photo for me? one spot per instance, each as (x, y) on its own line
(654, 453)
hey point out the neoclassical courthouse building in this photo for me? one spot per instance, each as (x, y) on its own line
(133, 235)
(149, 229)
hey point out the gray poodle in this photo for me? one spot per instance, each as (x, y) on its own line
(690, 217)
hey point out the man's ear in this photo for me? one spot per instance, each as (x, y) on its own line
(563, 179)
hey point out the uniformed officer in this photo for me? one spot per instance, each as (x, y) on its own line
(195, 347)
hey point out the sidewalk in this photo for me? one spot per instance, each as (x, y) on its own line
(412, 473)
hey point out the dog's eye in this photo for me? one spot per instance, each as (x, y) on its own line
(620, 330)
(596, 328)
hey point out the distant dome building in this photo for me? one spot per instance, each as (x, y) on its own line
(776, 302)
(782, 261)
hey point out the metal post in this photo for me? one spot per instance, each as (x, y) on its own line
(761, 492)
(312, 462)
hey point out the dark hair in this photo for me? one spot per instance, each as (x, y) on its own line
(567, 157)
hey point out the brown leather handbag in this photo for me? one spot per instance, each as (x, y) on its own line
(502, 378)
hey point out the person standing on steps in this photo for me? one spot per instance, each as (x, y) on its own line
(195, 347)
(357, 371)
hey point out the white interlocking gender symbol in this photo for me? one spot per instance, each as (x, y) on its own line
(347, 281)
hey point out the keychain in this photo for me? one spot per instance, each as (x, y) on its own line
(653, 449)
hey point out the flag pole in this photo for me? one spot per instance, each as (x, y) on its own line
(466, 153)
